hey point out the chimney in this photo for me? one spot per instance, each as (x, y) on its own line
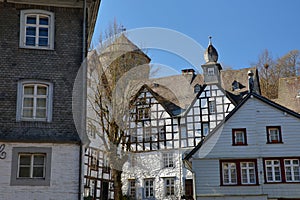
(250, 81)
(189, 74)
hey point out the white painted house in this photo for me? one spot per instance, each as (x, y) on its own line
(253, 154)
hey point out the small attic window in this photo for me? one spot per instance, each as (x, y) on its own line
(235, 85)
(197, 88)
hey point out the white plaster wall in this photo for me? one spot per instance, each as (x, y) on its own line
(64, 181)
(149, 165)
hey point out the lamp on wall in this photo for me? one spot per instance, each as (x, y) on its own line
(86, 191)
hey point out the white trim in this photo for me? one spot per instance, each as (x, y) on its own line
(23, 28)
(49, 100)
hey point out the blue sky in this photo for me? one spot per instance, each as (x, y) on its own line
(241, 29)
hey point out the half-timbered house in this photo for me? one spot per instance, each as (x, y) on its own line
(169, 117)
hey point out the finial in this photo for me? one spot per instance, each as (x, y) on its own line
(209, 40)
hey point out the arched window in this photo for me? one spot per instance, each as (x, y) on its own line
(37, 29)
(34, 101)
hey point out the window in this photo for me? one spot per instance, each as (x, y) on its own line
(149, 190)
(229, 173)
(92, 131)
(235, 85)
(298, 94)
(238, 172)
(274, 134)
(205, 128)
(273, 171)
(132, 190)
(142, 113)
(282, 170)
(106, 167)
(168, 160)
(248, 173)
(94, 159)
(169, 186)
(162, 133)
(212, 106)
(31, 166)
(292, 170)
(239, 136)
(37, 29)
(34, 101)
(197, 88)
(210, 71)
(147, 134)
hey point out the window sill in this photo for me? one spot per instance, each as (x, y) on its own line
(240, 144)
(274, 142)
(37, 48)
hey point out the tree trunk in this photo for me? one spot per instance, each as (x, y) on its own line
(116, 175)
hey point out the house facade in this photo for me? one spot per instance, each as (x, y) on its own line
(254, 154)
(168, 118)
(42, 45)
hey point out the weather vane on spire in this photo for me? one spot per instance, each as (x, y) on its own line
(211, 54)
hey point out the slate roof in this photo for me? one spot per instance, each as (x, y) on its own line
(37, 134)
(289, 93)
(179, 89)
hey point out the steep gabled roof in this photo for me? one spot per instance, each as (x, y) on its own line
(249, 95)
(169, 106)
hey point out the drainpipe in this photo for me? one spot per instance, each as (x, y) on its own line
(84, 75)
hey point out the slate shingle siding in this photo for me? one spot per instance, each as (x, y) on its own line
(58, 66)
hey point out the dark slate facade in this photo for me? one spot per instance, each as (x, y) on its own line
(58, 66)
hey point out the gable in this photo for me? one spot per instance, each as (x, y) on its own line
(255, 116)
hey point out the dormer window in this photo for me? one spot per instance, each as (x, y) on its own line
(197, 89)
(235, 85)
(210, 71)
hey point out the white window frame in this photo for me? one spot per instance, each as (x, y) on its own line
(149, 188)
(205, 127)
(168, 159)
(249, 171)
(212, 106)
(50, 26)
(229, 171)
(292, 170)
(274, 134)
(273, 168)
(132, 188)
(169, 186)
(31, 164)
(20, 100)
